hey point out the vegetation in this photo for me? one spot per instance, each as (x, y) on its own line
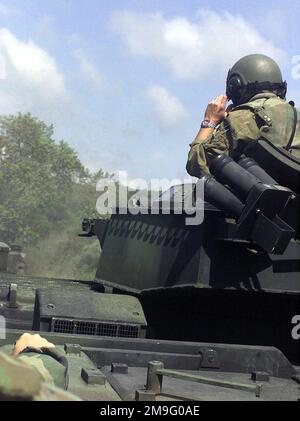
(45, 192)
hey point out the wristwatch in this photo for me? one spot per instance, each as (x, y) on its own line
(207, 124)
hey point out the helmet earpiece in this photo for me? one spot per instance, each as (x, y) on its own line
(235, 87)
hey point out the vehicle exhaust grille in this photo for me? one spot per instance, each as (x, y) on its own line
(77, 327)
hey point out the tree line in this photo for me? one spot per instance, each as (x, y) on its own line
(45, 191)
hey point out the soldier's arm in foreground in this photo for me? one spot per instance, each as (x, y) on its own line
(34, 371)
(20, 381)
(42, 355)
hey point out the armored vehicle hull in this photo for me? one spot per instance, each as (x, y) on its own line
(195, 286)
(234, 278)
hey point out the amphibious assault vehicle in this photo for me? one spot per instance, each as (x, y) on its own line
(194, 312)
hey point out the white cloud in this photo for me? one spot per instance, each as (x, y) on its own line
(88, 69)
(192, 50)
(2, 67)
(31, 75)
(168, 109)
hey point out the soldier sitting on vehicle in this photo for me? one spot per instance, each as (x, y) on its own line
(259, 111)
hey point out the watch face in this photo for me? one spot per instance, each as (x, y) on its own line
(208, 124)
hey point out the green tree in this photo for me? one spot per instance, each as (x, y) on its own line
(37, 176)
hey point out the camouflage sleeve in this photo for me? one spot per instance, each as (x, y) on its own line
(30, 377)
(50, 364)
(49, 392)
(237, 129)
(17, 380)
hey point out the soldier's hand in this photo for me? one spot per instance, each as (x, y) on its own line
(216, 110)
(31, 341)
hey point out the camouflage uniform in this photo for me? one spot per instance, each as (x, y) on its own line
(33, 377)
(265, 116)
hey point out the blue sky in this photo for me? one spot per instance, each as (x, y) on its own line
(126, 82)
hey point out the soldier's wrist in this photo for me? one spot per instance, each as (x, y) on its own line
(29, 350)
